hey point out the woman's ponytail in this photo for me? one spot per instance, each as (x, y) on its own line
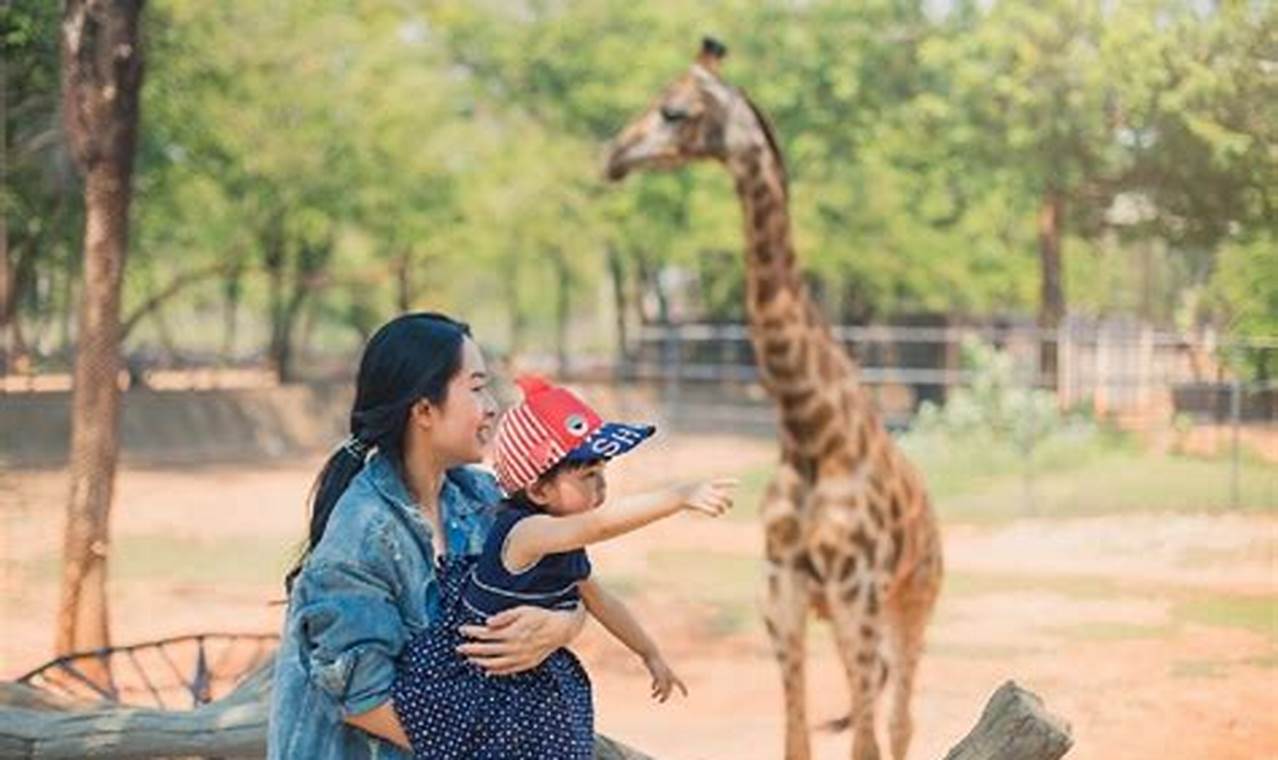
(412, 357)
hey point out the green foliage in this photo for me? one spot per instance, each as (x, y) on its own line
(999, 409)
(1244, 289)
(996, 405)
(447, 156)
(39, 190)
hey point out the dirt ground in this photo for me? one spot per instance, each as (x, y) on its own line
(1155, 636)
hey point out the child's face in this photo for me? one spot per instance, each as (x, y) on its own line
(573, 491)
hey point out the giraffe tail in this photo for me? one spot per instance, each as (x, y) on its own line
(843, 722)
(837, 725)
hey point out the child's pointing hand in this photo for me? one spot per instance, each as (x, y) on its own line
(712, 498)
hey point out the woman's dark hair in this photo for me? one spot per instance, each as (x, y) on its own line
(410, 358)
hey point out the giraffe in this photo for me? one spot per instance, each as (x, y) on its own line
(849, 530)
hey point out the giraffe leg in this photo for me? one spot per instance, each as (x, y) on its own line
(786, 601)
(785, 614)
(901, 657)
(907, 618)
(857, 636)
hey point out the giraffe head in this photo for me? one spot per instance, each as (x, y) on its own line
(698, 116)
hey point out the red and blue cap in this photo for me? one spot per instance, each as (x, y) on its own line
(550, 425)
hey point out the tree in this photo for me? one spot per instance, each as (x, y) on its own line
(39, 195)
(1243, 294)
(1199, 116)
(446, 156)
(101, 82)
(1034, 109)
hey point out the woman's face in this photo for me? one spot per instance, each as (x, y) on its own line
(461, 428)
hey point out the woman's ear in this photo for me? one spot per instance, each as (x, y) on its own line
(422, 414)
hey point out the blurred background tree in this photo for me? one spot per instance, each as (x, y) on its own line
(308, 168)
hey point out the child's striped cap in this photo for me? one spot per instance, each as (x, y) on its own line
(550, 425)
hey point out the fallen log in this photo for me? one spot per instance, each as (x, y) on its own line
(31, 698)
(221, 730)
(1013, 726)
(34, 725)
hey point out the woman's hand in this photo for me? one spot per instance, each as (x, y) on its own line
(663, 678)
(520, 639)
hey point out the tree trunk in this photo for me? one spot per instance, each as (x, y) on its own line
(309, 319)
(650, 280)
(563, 308)
(163, 333)
(404, 280)
(312, 259)
(21, 272)
(617, 273)
(856, 307)
(101, 79)
(8, 353)
(286, 307)
(275, 257)
(1051, 308)
(13, 346)
(515, 313)
(66, 341)
(232, 291)
(282, 342)
(17, 270)
(6, 279)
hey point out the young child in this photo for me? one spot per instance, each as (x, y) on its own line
(550, 455)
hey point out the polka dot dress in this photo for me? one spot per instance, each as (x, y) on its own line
(451, 709)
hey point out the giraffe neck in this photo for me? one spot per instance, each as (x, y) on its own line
(784, 324)
(774, 289)
(799, 361)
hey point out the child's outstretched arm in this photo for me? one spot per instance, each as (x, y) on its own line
(617, 618)
(539, 535)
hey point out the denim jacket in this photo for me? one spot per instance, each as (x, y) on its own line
(365, 590)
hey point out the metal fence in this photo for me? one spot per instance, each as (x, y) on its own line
(1114, 369)
(1182, 388)
(1183, 391)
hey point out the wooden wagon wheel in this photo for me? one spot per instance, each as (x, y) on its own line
(177, 673)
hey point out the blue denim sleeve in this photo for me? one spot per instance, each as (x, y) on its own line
(351, 631)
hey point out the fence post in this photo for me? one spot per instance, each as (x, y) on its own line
(1065, 365)
(1100, 386)
(673, 361)
(1144, 371)
(1032, 379)
(1235, 453)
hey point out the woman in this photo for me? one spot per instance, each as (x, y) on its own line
(389, 502)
